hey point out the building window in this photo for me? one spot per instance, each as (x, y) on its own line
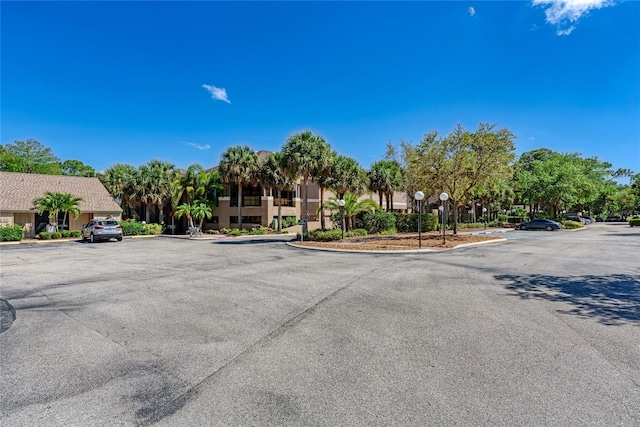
(286, 199)
(251, 196)
(246, 220)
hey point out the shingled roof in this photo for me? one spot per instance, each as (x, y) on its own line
(18, 190)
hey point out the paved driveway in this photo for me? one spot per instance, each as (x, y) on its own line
(537, 331)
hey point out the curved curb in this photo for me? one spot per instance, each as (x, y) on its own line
(395, 252)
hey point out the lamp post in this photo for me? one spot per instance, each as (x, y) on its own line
(419, 196)
(484, 214)
(341, 203)
(443, 198)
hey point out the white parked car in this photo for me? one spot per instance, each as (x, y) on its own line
(102, 229)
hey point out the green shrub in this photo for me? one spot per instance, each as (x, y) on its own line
(44, 235)
(153, 229)
(358, 232)
(571, 225)
(56, 235)
(236, 232)
(256, 232)
(408, 223)
(76, 233)
(495, 223)
(377, 222)
(289, 221)
(11, 233)
(634, 221)
(65, 233)
(132, 228)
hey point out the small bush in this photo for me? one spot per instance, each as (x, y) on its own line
(212, 231)
(65, 233)
(289, 221)
(634, 221)
(153, 229)
(256, 232)
(377, 222)
(571, 225)
(11, 233)
(132, 228)
(236, 232)
(408, 223)
(358, 232)
(45, 235)
(56, 235)
(76, 233)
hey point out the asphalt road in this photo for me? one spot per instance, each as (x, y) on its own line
(543, 329)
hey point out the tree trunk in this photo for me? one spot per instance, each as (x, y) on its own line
(391, 201)
(321, 208)
(387, 197)
(305, 209)
(455, 217)
(279, 210)
(380, 194)
(240, 206)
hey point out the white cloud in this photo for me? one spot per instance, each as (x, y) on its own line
(217, 93)
(471, 10)
(198, 146)
(565, 13)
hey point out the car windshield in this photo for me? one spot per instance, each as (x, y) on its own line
(108, 223)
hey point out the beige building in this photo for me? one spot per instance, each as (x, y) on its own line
(18, 190)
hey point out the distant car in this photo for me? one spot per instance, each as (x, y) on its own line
(599, 219)
(614, 219)
(539, 224)
(102, 229)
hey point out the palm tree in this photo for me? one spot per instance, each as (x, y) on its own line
(273, 176)
(50, 202)
(348, 176)
(306, 154)
(120, 181)
(69, 204)
(323, 178)
(190, 181)
(199, 211)
(185, 210)
(155, 184)
(386, 177)
(239, 166)
(352, 207)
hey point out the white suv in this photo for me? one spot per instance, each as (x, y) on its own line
(102, 229)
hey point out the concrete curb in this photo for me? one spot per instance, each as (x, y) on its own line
(406, 251)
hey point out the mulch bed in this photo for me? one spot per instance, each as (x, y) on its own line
(400, 242)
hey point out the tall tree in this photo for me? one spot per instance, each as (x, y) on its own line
(156, 177)
(77, 168)
(323, 177)
(120, 180)
(459, 162)
(240, 166)
(348, 176)
(29, 156)
(306, 154)
(273, 176)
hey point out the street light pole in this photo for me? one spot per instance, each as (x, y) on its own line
(419, 196)
(484, 214)
(341, 202)
(443, 198)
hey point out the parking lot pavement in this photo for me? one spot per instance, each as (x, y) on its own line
(537, 331)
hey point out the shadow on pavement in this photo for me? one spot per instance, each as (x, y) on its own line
(612, 299)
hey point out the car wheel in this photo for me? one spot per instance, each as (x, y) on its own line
(84, 238)
(119, 239)
(523, 227)
(92, 238)
(549, 228)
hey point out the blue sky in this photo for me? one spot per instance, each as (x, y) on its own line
(146, 78)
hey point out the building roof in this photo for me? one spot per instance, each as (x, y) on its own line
(18, 190)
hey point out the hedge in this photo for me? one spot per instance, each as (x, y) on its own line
(378, 222)
(11, 233)
(634, 221)
(408, 222)
(572, 225)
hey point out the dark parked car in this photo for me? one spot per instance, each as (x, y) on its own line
(539, 224)
(599, 219)
(102, 229)
(614, 219)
